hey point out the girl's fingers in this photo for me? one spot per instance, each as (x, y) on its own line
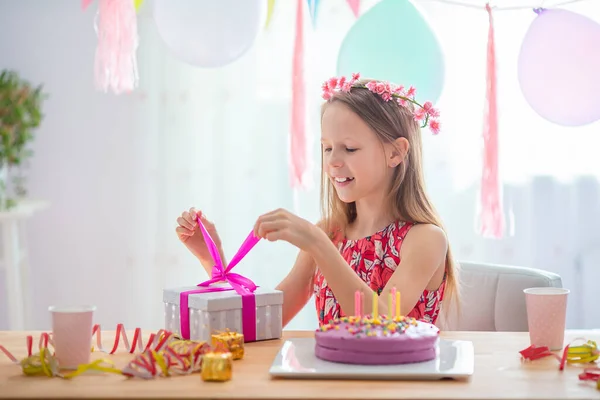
(185, 222)
(190, 218)
(181, 231)
(194, 214)
(266, 227)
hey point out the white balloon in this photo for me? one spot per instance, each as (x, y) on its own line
(208, 33)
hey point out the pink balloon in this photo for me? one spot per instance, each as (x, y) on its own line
(559, 67)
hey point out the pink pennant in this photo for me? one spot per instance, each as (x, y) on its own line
(492, 218)
(298, 124)
(354, 6)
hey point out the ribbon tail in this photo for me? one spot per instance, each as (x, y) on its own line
(212, 249)
(245, 248)
(240, 280)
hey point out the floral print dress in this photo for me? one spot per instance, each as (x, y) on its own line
(374, 259)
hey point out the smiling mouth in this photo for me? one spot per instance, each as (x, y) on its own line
(343, 180)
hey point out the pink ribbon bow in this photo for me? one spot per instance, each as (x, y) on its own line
(242, 285)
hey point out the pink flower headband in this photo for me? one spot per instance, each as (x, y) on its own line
(423, 113)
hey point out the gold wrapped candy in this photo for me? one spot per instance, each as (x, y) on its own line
(217, 366)
(232, 342)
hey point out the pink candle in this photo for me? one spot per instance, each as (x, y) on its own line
(361, 303)
(393, 312)
(357, 303)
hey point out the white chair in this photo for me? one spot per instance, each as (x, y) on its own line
(492, 297)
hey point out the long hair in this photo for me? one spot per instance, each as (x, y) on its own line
(407, 197)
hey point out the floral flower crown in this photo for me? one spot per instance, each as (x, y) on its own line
(424, 113)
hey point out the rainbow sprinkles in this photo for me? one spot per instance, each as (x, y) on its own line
(424, 113)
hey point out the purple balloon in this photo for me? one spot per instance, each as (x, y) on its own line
(559, 67)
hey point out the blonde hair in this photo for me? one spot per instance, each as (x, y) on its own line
(407, 195)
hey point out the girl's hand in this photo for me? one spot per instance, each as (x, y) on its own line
(283, 225)
(190, 235)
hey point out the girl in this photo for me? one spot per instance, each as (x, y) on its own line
(379, 229)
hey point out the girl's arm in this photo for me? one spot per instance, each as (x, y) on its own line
(297, 286)
(423, 252)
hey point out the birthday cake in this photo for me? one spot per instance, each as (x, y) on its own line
(380, 341)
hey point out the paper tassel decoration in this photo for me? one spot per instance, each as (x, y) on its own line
(491, 217)
(270, 9)
(355, 7)
(313, 7)
(298, 156)
(116, 64)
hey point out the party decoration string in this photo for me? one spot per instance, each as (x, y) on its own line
(164, 354)
(585, 353)
(491, 218)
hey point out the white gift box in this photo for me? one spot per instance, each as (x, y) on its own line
(210, 312)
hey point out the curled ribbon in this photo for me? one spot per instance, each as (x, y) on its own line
(581, 354)
(591, 374)
(242, 285)
(164, 354)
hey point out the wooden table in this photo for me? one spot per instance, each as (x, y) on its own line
(499, 374)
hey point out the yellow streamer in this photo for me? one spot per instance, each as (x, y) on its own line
(585, 353)
(270, 8)
(44, 363)
(138, 4)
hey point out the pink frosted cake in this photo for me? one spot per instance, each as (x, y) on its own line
(356, 340)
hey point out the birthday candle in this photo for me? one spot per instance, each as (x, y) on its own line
(375, 300)
(397, 304)
(390, 311)
(360, 304)
(393, 299)
(357, 303)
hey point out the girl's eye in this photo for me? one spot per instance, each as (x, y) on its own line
(348, 149)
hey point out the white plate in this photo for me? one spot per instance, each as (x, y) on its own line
(296, 360)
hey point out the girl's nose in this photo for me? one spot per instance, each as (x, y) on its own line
(335, 159)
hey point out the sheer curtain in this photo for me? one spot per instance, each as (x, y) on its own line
(221, 144)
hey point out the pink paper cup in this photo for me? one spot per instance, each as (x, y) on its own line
(72, 334)
(546, 316)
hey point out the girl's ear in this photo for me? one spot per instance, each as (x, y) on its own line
(397, 151)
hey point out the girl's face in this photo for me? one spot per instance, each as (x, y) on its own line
(355, 160)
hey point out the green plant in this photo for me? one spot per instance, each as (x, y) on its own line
(20, 115)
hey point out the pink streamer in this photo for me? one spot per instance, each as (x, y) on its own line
(115, 64)
(298, 124)
(492, 219)
(242, 285)
(355, 6)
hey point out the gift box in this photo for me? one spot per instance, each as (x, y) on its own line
(227, 301)
(211, 312)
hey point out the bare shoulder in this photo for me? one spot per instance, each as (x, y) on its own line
(427, 238)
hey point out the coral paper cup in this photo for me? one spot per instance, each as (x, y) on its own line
(72, 334)
(546, 316)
